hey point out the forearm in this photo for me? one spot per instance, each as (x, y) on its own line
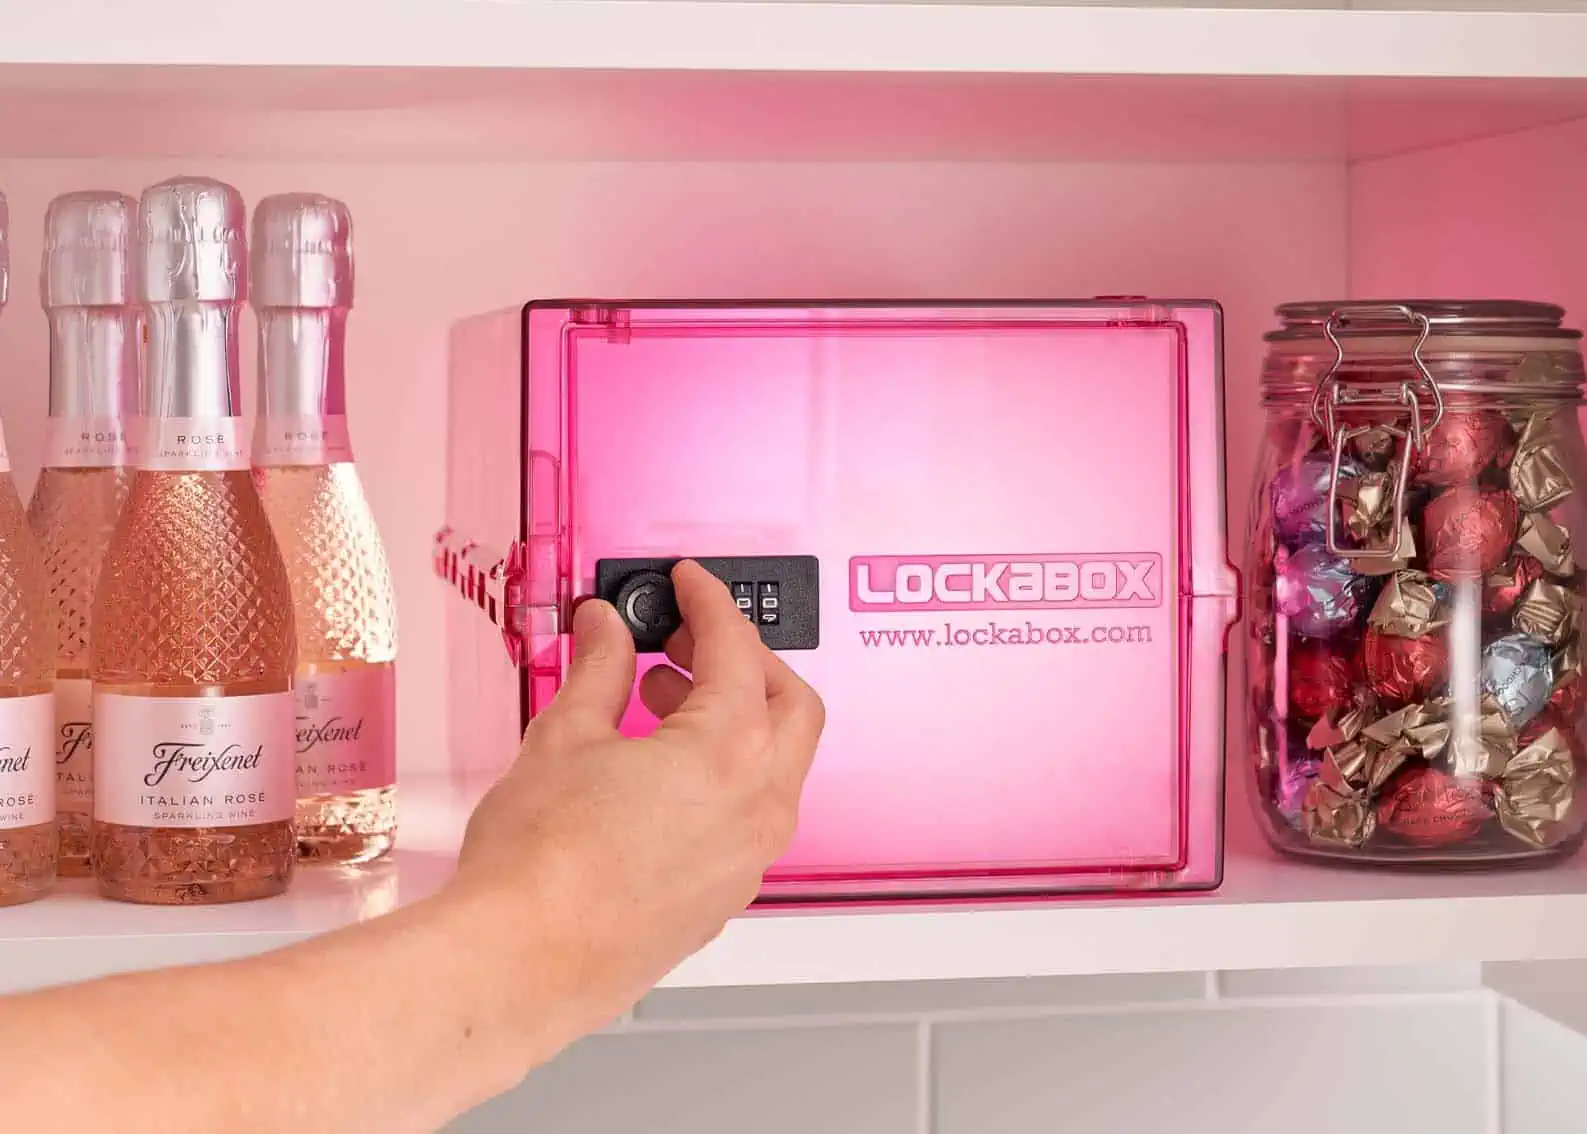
(395, 1025)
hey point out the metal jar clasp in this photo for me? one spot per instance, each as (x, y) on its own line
(1332, 392)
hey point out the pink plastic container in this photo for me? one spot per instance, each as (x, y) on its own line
(1017, 512)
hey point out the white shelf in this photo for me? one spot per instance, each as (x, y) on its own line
(1269, 915)
(730, 35)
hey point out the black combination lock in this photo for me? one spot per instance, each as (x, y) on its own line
(779, 593)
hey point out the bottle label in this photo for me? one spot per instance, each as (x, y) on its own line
(74, 744)
(193, 761)
(302, 440)
(27, 788)
(346, 734)
(89, 443)
(193, 444)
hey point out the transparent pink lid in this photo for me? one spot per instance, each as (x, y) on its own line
(1017, 511)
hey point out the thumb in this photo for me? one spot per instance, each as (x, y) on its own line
(600, 679)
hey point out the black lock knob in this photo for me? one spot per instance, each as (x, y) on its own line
(648, 607)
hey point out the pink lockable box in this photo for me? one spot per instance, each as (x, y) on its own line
(990, 534)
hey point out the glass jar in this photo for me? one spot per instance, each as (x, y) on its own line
(1414, 662)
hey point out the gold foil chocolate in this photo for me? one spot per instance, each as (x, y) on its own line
(1337, 815)
(1533, 797)
(1548, 611)
(1329, 731)
(1408, 606)
(1375, 445)
(1367, 503)
(1366, 766)
(1538, 475)
(1548, 542)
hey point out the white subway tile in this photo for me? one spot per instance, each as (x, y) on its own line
(1344, 981)
(858, 1080)
(1544, 1066)
(908, 997)
(1345, 1068)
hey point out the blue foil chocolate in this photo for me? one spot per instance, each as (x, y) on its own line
(1299, 494)
(1518, 673)
(1317, 592)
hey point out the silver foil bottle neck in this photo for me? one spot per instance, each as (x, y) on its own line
(192, 277)
(192, 243)
(85, 283)
(88, 250)
(302, 252)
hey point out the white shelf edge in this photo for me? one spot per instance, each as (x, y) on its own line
(1185, 936)
(732, 35)
(836, 947)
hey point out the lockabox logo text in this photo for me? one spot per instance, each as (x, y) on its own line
(1005, 582)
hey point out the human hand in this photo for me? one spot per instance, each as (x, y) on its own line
(630, 854)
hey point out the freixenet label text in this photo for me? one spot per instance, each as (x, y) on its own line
(197, 762)
(1005, 582)
(193, 761)
(345, 735)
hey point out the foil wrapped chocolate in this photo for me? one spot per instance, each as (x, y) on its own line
(1317, 592)
(1518, 673)
(1411, 605)
(1570, 690)
(1299, 495)
(1374, 447)
(1535, 793)
(1503, 588)
(1548, 611)
(1404, 655)
(1467, 531)
(1548, 542)
(1481, 747)
(1321, 679)
(1432, 808)
(1401, 670)
(1539, 477)
(1334, 814)
(1461, 448)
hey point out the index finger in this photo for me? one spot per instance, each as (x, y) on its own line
(726, 650)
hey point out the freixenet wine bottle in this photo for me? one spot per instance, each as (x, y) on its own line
(86, 288)
(27, 697)
(193, 643)
(302, 258)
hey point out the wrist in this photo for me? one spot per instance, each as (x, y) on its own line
(519, 976)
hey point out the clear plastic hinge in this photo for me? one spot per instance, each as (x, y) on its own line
(491, 581)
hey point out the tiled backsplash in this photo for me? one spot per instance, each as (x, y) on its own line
(1332, 1051)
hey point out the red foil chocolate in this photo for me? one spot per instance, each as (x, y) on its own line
(1432, 808)
(1463, 445)
(1569, 698)
(1467, 531)
(1320, 680)
(1403, 670)
(1502, 589)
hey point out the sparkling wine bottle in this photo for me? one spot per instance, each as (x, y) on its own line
(193, 648)
(27, 698)
(86, 286)
(346, 614)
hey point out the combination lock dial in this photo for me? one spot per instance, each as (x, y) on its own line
(780, 594)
